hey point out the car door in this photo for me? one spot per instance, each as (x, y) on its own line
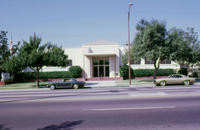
(67, 84)
(171, 80)
(178, 79)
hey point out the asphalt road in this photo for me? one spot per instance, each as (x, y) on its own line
(101, 109)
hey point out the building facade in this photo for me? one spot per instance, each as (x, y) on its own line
(103, 59)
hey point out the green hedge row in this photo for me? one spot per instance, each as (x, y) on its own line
(124, 71)
(74, 72)
(150, 72)
(27, 76)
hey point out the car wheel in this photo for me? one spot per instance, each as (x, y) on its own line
(75, 86)
(162, 83)
(52, 87)
(186, 82)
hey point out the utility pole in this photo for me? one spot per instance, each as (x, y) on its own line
(129, 58)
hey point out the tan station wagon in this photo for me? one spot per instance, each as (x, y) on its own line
(175, 79)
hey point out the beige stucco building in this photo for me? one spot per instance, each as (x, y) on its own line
(97, 59)
(103, 59)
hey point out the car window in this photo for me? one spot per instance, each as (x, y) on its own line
(72, 79)
(175, 76)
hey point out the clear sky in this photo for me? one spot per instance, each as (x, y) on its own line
(71, 23)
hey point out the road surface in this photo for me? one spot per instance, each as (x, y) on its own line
(101, 109)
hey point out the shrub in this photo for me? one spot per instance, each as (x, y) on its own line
(183, 71)
(195, 74)
(150, 72)
(27, 76)
(124, 72)
(75, 71)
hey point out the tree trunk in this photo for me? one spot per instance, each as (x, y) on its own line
(198, 72)
(37, 77)
(155, 73)
(156, 66)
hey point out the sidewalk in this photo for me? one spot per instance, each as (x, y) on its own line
(95, 84)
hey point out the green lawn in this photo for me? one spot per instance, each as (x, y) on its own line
(134, 82)
(28, 85)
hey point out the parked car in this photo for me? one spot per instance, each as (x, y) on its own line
(175, 79)
(72, 83)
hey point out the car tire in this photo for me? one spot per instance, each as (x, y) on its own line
(75, 86)
(186, 82)
(52, 87)
(162, 83)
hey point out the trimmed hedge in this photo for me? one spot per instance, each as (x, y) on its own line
(150, 72)
(144, 72)
(27, 76)
(124, 72)
(75, 71)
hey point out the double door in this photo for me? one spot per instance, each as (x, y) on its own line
(101, 67)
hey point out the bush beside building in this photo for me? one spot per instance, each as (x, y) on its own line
(124, 72)
(74, 72)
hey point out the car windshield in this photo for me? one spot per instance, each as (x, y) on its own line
(72, 79)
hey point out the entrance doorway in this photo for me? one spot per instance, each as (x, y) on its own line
(101, 67)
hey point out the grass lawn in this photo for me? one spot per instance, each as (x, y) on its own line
(134, 82)
(28, 85)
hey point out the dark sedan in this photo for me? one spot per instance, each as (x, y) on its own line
(72, 83)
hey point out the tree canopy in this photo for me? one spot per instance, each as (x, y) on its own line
(186, 46)
(151, 42)
(36, 55)
(4, 49)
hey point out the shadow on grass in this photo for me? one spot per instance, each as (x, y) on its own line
(68, 125)
(2, 127)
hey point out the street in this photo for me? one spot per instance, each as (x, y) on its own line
(145, 108)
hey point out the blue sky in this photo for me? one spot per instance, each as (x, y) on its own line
(71, 23)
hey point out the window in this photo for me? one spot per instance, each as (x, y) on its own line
(136, 62)
(149, 61)
(95, 62)
(165, 61)
(70, 63)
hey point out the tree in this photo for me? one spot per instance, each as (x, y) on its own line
(35, 55)
(4, 50)
(186, 47)
(12, 64)
(125, 57)
(151, 42)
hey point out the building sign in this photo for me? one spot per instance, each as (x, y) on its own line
(5, 76)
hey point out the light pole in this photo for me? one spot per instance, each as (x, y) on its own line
(129, 58)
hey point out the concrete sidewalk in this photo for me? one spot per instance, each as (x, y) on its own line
(95, 84)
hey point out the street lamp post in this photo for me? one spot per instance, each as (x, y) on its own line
(129, 58)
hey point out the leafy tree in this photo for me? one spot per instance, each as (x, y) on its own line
(151, 42)
(4, 50)
(35, 55)
(125, 57)
(13, 64)
(132, 60)
(186, 47)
